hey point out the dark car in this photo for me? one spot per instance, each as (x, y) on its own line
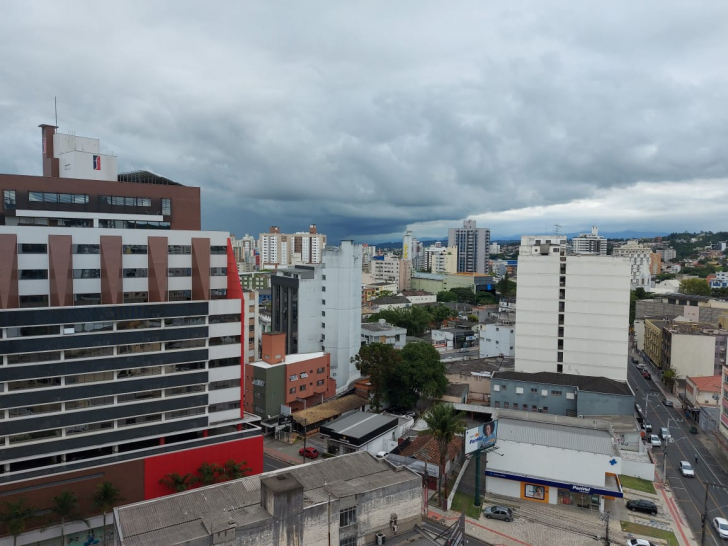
(310, 452)
(646, 375)
(498, 512)
(667, 402)
(646, 506)
(635, 361)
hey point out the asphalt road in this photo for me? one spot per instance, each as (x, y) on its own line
(269, 463)
(436, 530)
(690, 492)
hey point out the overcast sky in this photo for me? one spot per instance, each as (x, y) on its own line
(368, 117)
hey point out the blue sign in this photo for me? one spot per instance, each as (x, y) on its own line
(576, 488)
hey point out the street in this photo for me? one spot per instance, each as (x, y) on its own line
(690, 492)
(270, 463)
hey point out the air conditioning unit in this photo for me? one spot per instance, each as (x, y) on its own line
(381, 539)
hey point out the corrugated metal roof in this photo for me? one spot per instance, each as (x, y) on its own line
(548, 434)
(330, 409)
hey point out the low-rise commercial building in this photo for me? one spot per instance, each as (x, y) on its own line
(498, 339)
(561, 394)
(343, 500)
(365, 431)
(703, 391)
(453, 338)
(383, 332)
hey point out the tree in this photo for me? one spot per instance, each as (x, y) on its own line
(696, 287)
(15, 516)
(443, 423)
(208, 473)
(447, 296)
(505, 287)
(668, 377)
(484, 298)
(104, 498)
(66, 510)
(377, 360)
(178, 483)
(385, 293)
(440, 313)
(719, 293)
(233, 470)
(421, 374)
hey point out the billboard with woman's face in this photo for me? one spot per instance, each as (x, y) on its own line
(481, 437)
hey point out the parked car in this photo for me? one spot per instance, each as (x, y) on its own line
(646, 375)
(721, 525)
(665, 434)
(639, 542)
(381, 455)
(686, 469)
(309, 452)
(635, 361)
(641, 505)
(667, 403)
(498, 512)
(655, 440)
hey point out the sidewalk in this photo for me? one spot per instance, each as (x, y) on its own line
(283, 451)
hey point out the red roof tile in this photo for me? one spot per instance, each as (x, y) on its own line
(708, 383)
(425, 448)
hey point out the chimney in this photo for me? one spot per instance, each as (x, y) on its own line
(50, 163)
(274, 347)
(275, 229)
(312, 229)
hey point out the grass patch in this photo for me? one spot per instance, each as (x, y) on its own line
(645, 530)
(638, 484)
(462, 502)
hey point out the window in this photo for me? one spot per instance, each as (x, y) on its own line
(89, 378)
(184, 413)
(184, 321)
(136, 297)
(218, 293)
(138, 324)
(563, 269)
(29, 411)
(93, 427)
(545, 409)
(559, 356)
(555, 393)
(220, 319)
(226, 384)
(86, 299)
(28, 248)
(180, 295)
(134, 396)
(320, 382)
(86, 273)
(34, 384)
(131, 421)
(177, 391)
(293, 377)
(179, 249)
(136, 273)
(90, 403)
(504, 387)
(534, 390)
(88, 352)
(187, 367)
(224, 406)
(166, 207)
(347, 516)
(139, 372)
(32, 274)
(87, 327)
(560, 345)
(223, 362)
(218, 271)
(302, 388)
(559, 368)
(505, 405)
(135, 249)
(348, 541)
(9, 199)
(224, 340)
(179, 272)
(292, 390)
(515, 405)
(29, 358)
(30, 436)
(30, 331)
(534, 409)
(497, 404)
(218, 250)
(562, 306)
(188, 344)
(320, 370)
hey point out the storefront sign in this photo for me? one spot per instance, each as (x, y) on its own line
(576, 488)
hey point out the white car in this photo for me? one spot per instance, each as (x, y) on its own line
(686, 469)
(639, 542)
(655, 441)
(721, 525)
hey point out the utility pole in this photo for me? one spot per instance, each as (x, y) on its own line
(305, 422)
(606, 530)
(477, 478)
(704, 517)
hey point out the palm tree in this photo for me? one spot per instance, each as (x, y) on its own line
(208, 474)
(15, 516)
(443, 423)
(66, 510)
(232, 470)
(105, 498)
(178, 483)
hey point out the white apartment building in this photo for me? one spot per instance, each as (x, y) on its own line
(667, 254)
(443, 260)
(590, 243)
(391, 269)
(495, 248)
(244, 248)
(573, 311)
(280, 249)
(409, 246)
(473, 244)
(640, 261)
(319, 308)
(497, 340)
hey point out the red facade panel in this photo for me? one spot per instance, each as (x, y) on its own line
(200, 268)
(112, 287)
(60, 261)
(158, 256)
(249, 450)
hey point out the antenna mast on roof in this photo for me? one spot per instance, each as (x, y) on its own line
(55, 105)
(557, 229)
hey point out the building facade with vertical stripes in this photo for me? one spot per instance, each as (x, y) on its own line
(123, 335)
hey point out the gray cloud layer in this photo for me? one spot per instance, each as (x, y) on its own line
(367, 117)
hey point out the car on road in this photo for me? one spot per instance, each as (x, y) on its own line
(635, 361)
(642, 505)
(721, 526)
(498, 512)
(686, 469)
(639, 542)
(655, 440)
(665, 434)
(646, 375)
(668, 403)
(647, 426)
(309, 452)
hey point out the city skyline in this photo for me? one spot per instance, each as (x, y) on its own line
(517, 118)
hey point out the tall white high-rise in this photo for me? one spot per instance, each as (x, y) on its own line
(590, 243)
(573, 311)
(283, 249)
(319, 308)
(473, 244)
(408, 246)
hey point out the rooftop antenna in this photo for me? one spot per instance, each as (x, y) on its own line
(55, 104)
(557, 229)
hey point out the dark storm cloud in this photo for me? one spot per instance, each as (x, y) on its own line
(366, 118)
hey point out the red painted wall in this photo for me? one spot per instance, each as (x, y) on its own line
(155, 468)
(235, 291)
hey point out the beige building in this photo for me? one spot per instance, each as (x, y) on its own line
(444, 260)
(282, 249)
(703, 391)
(689, 348)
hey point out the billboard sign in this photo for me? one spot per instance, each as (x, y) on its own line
(481, 437)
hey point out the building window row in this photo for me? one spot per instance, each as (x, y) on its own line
(118, 201)
(50, 197)
(133, 224)
(50, 222)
